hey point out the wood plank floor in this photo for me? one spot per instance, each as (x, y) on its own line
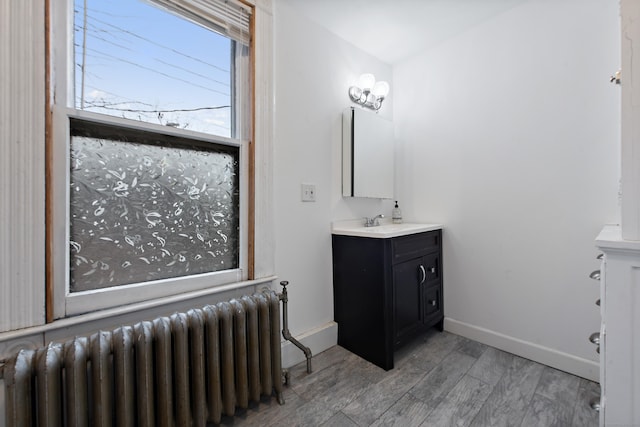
(440, 379)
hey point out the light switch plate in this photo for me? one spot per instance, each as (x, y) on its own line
(308, 192)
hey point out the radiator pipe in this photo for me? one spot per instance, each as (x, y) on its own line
(285, 326)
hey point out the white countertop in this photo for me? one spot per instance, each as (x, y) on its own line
(611, 238)
(385, 230)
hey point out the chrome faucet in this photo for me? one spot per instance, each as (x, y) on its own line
(373, 222)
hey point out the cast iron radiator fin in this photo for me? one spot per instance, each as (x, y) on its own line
(187, 369)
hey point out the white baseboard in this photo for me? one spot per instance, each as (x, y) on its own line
(318, 340)
(556, 359)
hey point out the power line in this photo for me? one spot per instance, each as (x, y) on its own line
(122, 38)
(192, 72)
(111, 42)
(102, 12)
(157, 44)
(84, 52)
(115, 58)
(132, 110)
(154, 113)
(114, 107)
(156, 59)
(119, 96)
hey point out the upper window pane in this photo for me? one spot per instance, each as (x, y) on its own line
(136, 61)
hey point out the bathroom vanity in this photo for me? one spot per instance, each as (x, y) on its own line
(387, 285)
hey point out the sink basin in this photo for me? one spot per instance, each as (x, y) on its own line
(383, 231)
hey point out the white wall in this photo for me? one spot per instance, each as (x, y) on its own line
(509, 135)
(314, 70)
(630, 211)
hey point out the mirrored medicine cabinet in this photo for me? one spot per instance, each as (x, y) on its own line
(367, 155)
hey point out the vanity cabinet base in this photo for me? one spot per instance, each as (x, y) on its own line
(386, 292)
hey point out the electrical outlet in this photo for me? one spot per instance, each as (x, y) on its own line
(308, 192)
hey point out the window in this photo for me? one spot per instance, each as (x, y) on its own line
(150, 145)
(147, 207)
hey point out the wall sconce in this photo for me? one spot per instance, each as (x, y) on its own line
(369, 93)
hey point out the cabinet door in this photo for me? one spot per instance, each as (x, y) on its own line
(407, 278)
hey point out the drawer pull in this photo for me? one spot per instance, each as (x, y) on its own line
(598, 302)
(600, 256)
(595, 404)
(595, 275)
(424, 274)
(595, 338)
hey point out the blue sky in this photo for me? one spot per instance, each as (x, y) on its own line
(140, 61)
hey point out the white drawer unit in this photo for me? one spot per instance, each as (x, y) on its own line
(620, 329)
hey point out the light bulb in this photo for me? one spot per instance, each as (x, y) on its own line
(380, 89)
(355, 93)
(367, 81)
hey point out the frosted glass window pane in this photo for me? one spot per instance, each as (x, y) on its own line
(147, 207)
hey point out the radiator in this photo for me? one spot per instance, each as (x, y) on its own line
(187, 369)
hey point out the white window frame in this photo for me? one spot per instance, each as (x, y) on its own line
(64, 302)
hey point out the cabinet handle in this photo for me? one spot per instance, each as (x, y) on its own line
(432, 270)
(432, 302)
(424, 274)
(595, 275)
(600, 256)
(595, 338)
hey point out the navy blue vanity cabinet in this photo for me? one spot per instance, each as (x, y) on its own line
(386, 291)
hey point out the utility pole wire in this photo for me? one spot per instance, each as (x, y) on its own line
(119, 37)
(158, 44)
(108, 106)
(113, 106)
(97, 30)
(128, 100)
(84, 54)
(156, 59)
(193, 72)
(115, 58)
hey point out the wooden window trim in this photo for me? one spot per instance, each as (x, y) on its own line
(49, 191)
